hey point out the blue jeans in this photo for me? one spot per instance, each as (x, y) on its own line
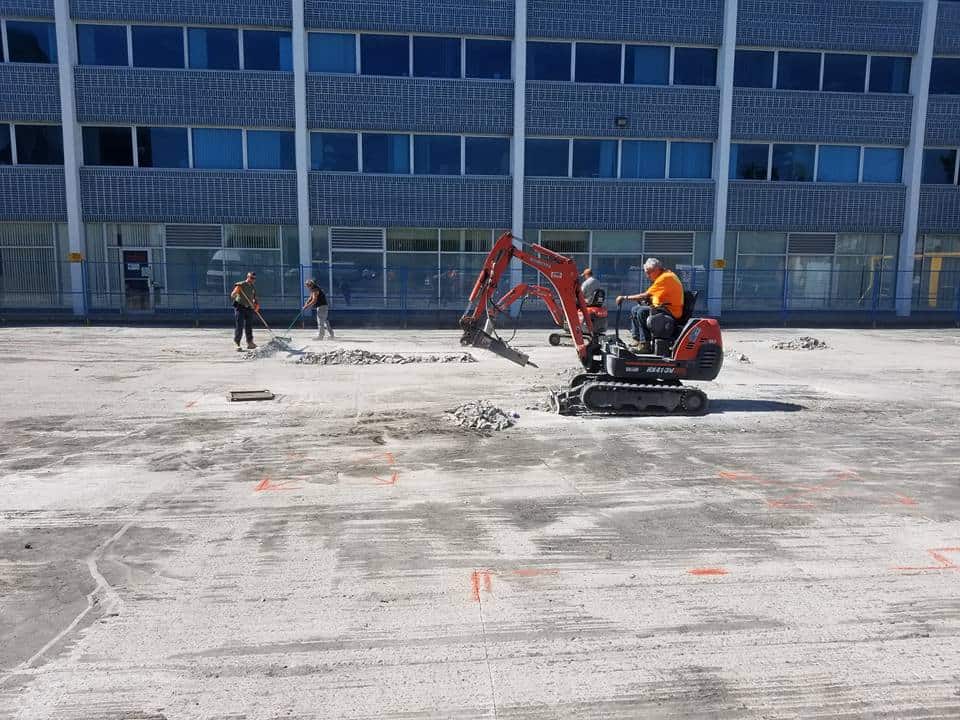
(242, 323)
(638, 319)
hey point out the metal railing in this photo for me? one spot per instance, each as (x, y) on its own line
(200, 291)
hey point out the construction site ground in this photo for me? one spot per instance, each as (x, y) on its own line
(346, 551)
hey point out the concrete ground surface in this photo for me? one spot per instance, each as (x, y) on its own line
(343, 551)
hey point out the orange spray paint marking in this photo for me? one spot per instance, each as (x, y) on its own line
(904, 500)
(390, 459)
(937, 554)
(392, 481)
(190, 404)
(478, 577)
(707, 571)
(266, 485)
(535, 572)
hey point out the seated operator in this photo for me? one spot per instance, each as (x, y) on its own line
(665, 291)
(589, 286)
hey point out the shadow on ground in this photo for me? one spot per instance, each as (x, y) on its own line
(723, 406)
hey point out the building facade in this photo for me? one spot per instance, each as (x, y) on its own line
(783, 157)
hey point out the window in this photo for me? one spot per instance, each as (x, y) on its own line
(646, 65)
(792, 162)
(546, 158)
(39, 144)
(598, 63)
(33, 42)
(267, 50)
(270, 150)
(386, 153)
(882, 165)
(102, 44)
(487, 156)
(694, 66)
(437, 57)
(333, 152)
(643, 159)
(889, 74)
(385, 55)
(798, 71)
(595, 158)
(107, 146)
(691, 160)
(162, 147)
(839, 163)
(944, 75)
(157, 47)
(436, 154)
(939, 166)
(753, 69)
(488, 59)
(844, 73)
(548, 61)
(6, 149)
(748, 161)
(217, 148)
(214, 48)
(333, 53)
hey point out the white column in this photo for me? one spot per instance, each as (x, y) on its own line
(302, 136)
(519, 129)
(67, 58)
(721, 156)
(913, 157)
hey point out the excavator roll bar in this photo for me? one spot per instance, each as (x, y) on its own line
(477, 321)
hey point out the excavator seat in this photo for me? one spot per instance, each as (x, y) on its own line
(665, 328)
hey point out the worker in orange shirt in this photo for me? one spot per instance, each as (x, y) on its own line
(665, 292)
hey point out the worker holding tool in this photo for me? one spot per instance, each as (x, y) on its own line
(318, 302)
(245, 304)
(665, 293)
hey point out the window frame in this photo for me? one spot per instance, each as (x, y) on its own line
(956, 164)
(128, 50)
(183, 46)
(356, 52)
(189, 58)
(358, 154)
(15, 151)
(32, 21)
(409, 60)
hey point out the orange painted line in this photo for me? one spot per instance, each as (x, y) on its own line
(392, 481)
(265, 485)
(937, 554)
(475, 586)
(535, 572)
(707, 571)
(262, 485)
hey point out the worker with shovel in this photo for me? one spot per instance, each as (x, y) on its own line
(245, 304)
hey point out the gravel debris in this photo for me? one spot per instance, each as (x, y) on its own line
(481, 415)
(738, 356)
(344, 356)
(271, 348)
(801, 343)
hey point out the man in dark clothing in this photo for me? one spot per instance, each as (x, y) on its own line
(244, 296)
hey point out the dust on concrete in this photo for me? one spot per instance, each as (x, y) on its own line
(354, 356)
(805, 342)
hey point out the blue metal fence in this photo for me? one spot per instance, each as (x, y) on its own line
(202, 292)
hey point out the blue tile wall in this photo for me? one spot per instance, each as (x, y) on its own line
(469, 17)
(32, 193)
(27, 8)
(418, 104)
(179, 97)
(617, 204)
(202, 196)
(825, 117)
(830, 24)
(947, 37)
(939, 209)
(815, 207)
(384, 201)
(564, 108)
(270, 13)
(694, 21)
(29, 92)
(943, 120)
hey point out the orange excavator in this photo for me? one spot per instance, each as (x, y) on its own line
(615, 380)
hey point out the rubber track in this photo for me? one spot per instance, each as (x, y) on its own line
(578, 408)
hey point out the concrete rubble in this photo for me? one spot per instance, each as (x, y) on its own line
(801, 343)
(481, 415)
(267, 349)
(345, 356)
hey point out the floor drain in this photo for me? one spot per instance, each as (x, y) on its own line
(239, 395)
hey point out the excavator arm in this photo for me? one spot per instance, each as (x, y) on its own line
(477, 321)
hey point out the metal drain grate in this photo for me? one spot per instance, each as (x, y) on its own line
(243, 395)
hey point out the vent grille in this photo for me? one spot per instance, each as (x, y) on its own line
(811, 243)
(708, 358)
(253, 237)
(668, 243)
(26, 235)
(357, 239)
(200, 236)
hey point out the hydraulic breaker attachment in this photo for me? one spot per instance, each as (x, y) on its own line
(486, 338)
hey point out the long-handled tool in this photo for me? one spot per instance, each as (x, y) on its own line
(283, 340)
(290, 326)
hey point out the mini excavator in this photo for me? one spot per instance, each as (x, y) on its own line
(615, 380)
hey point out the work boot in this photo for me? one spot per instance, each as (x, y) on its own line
(239, 349)
(251, 346)
(640, 346)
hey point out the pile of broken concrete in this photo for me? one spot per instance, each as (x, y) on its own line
(480, 415)
(345, 356)
(801, 343)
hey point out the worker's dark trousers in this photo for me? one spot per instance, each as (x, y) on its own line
(639, 316)
(242, 323)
